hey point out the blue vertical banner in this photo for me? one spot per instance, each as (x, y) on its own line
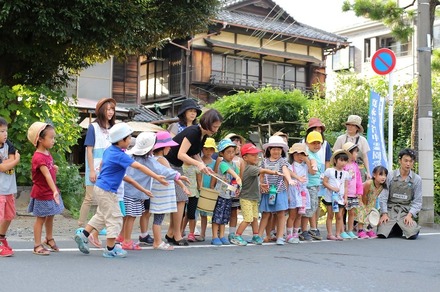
(375, 136)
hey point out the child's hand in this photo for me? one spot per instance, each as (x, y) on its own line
(239, 182)
(278, 173)
(148, 193)
(56, 168)
(162, 180)
(292, 182)
(17, 155)
(186, 190)
(264, 188)
(56, 197)
(302, 179)
(185, 179)
(314, 164)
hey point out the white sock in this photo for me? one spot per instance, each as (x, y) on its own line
(143, 234)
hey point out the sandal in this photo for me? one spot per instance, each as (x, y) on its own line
(200, 238)
(40, 250)
(95, 242)
(164, 246)
(181, 242)
(52, 247)
(170, 239)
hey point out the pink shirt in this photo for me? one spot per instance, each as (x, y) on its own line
(354, 185)
(40, 189)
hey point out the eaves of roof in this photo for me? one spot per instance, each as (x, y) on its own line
(289, 29)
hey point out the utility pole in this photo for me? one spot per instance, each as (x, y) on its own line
(425, 141)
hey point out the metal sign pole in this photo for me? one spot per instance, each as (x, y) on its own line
(390, 120)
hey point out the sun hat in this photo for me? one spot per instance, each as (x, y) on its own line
(314, 123)
(373, 217)
(348, 146)
(298, 148)
(102, 101)
(225, 143)
(187, 104)
(163, 139)
(34, 132)
(119, 132)
(355, 120)
(339, 151)
(279, 133)
(276, 141)
(249, 148)
(314, 136)
(210, 143)
(232, 135)
(144, 143)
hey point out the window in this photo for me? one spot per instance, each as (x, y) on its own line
(235, 70)
(367, 50)
(343, 59)
(284, 76)
(154, 79)
(399, 48)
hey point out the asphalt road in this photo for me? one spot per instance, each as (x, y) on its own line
(393, 264)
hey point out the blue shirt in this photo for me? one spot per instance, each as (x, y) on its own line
(114, 164)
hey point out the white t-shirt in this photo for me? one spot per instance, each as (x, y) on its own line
(336, 178)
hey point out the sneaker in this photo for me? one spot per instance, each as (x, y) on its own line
(216, 241)
(82, 242)
(294, 238)
(238, 240)
(257, 240)
(79, 230)
(344, 235)
(147, 240)
(352, 235)
(196, 232)
(96, 243)
(371, 234)
(4, 243)
(231, 237)
(315, 234)
(191, 237)
(280, 241)
(5, 252)
(305, 236)
(116, 252)
(224, 241)
(363, 235)
(131, 245)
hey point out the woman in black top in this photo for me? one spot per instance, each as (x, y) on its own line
(190, 141)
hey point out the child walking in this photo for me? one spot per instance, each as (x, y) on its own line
(373, 188)
(298, 195)
(114, 164)
(274, 186)
(228, 170)
(335, 181)
(354, 189)
(46, 201)
(9, 158)
(250, 193)
(209, 148)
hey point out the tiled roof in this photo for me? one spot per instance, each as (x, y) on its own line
(143, 114)
(295, 29)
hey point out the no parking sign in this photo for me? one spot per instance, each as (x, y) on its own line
(383, 61)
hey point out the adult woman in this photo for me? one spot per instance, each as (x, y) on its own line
(97, 140)
(191, 141)
(353, 134)
(188, 113)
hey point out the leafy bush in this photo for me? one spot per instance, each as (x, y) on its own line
(71, 186)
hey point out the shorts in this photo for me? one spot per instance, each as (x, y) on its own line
(352, 203)
(235, 203)
(7, 207)
(330, 204)
(314, 201)
(222, 211)
(249, 210)
(133, 207)
(147, 205)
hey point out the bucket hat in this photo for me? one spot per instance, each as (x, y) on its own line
(249, 148)
(355, 120)
(102, 101)
(144, 143)
(276, 141)
(34, 132)
(298, 148)
(210, 143)
(348, 146)
(373, 217)
(314, 123)
(232, 135)
(314, 136)
(187, 104)
(225, 143)
(339, 151)
(119, 132)
(163, 139)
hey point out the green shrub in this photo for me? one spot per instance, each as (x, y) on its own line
(71, 186)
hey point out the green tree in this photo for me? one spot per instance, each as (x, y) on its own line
(43, 41)
(245, 109)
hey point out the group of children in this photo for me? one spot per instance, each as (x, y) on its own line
(281, 184)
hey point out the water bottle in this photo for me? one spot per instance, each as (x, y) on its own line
(335, 205)
(272, 195)
(302, 209)
(234, 184)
